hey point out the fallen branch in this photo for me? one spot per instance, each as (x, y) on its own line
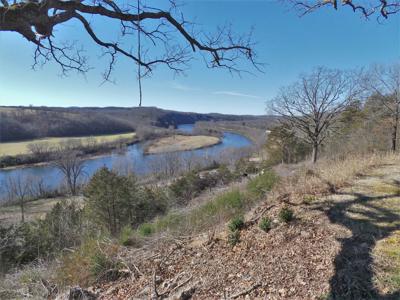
(154, 294)
(245, 292)
(177, 287)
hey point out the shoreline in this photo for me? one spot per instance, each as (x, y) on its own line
(47, 163)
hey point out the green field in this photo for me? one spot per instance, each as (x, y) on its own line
(16, 148)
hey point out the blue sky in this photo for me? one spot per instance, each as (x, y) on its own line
(287, 44)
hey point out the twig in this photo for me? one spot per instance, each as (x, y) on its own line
(259, 215)
(245, 292)
(154, 295)
(177, 287)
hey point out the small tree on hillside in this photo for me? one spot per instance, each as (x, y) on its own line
(383, 82)
(108, 200)
(311, 105)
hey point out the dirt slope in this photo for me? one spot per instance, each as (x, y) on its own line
(341, 246)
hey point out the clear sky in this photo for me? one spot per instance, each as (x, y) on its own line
(287, 44)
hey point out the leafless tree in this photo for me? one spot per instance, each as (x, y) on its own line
(312, 104)
(39, 149)
(383, 82)
(379, 8)
(18, 187)
(72, 167)
(167, 37)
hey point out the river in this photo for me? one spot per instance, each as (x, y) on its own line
(140, 163)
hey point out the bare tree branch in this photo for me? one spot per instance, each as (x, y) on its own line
(163, 31)
(380, 8)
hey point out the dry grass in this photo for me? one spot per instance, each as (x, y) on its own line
(387, 263)
(329, 175)
(33, 210)
(16, 148)
(181, 143)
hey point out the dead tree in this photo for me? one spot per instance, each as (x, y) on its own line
(18, 187)
(166, 37)
(71, 166)
(312, 104)
(383, 82)
(379, 8)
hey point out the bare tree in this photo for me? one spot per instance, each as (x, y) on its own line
(312, 104)
(72, 167)
(39, 149)
(18, 187)
(383, 82)
(379, 8)
(167, 37)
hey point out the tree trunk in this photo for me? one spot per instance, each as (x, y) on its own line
(394, 132)
(22, 211)
(315, 153)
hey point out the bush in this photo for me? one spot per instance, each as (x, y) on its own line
(84, 266)
(146, 229)
(263, 183)
(234, 237)
(236, 223)
(61, 228)
(265, 224)
(101, 262)
(75, 267)
(128, 237)
(286, 215)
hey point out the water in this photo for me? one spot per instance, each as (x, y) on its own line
(133, 157)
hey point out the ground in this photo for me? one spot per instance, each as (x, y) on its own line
(16, 148)
(33, 210)
(181, 142)
(340, 246)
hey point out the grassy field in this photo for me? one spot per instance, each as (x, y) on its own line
(33, 210)
(181, 143)
(16, 148)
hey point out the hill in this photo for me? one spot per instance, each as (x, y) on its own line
(24, 123)
(339, 245)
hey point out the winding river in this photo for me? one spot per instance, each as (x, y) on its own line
(133, 155)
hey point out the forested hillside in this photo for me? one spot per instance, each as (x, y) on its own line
(22, 123)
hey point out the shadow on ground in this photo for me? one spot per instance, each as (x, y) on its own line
(368, 223)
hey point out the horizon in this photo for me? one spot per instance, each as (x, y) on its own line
(281, 34)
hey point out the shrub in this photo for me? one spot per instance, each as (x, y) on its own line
(234, 237)
(84, 266)
(225, 175)
(265, 224)
(75, 267)
(61, 228)
(101, 262)
(230, 200)
(286, 215)
(262, 183)
(128, 237)
(236, 223)
(146, 229)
